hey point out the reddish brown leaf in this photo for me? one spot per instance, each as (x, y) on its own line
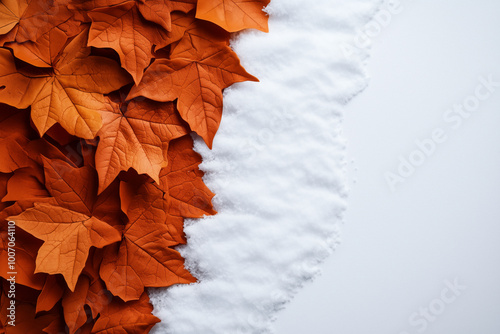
(25, 320)
(26, 248)
(13, 156)
(189, 196)
(14, 122)
(126, 318)
(76, 189)
(89, 298)
(86, 293)
(51, 293)
(72, 188)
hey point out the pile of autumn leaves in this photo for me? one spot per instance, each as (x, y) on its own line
(98, 100)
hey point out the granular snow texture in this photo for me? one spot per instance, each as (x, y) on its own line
(278, 170)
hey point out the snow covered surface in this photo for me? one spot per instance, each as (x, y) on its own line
(399, 249)
(278, 169)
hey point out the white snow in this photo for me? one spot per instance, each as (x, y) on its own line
(278, 169)
(443, 223)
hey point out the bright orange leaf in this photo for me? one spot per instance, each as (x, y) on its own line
(135, 135)
(69, 95)
(234, 15)
(67, 236)
(195, 75)
(122, 29)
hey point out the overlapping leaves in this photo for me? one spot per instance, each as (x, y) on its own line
(97, 102)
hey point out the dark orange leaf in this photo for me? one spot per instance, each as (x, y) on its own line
(158, 11)
(126, 318)
(87, 292)
(47, 46)
(25, 186)
(14, 122)
(27, 20)
(26, 321)
(189, 196)
(51, 293)
(26, 248)
(89, 298)
(13, 156)
(72, 188)
(144, 259)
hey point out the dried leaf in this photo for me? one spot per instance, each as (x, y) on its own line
(70, 95)
(158, 11)
(51, 293)
(122, 29)
(126, 318)
(195, 75)
(26, 248)
(234, 15)
(67, 236)
(189, 196)
(135, 135)
(27, 20)
(144, 259)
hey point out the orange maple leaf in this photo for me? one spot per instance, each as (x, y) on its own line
(144, 259)
(234, 15)
(25, 185)
(76, 189)
(122, 29)
(195, 75)
(67, 236)
(135, 135)
(70, 95)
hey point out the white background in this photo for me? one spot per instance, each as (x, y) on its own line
(443, 222)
